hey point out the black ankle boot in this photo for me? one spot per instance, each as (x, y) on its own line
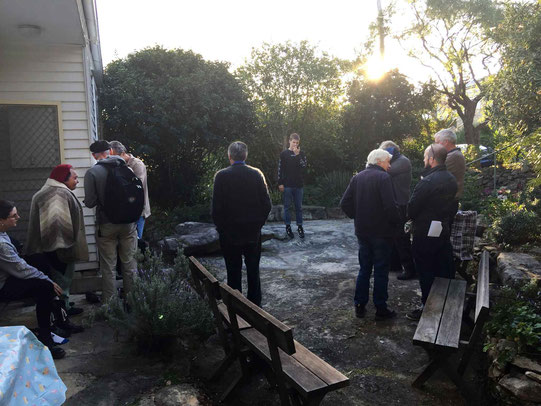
(289, 232)
(300, 230)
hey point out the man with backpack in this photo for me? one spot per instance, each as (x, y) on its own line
(118, 196)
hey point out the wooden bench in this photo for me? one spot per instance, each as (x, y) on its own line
(207, 286)
(438, 331)
(300, 376)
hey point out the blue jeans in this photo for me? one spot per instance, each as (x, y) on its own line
(293, 194)
(140, 225)
(373, 253)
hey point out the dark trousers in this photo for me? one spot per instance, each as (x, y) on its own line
(233, 251)
(401, 257)
(373, 253)
(433, 257)
(41, 290)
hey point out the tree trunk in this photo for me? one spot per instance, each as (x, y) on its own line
(471, 134)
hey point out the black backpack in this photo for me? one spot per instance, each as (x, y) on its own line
(124, 196)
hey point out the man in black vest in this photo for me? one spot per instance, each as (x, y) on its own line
(240, 207)
(431, 207)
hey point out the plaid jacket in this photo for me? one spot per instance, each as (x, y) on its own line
(463, 234)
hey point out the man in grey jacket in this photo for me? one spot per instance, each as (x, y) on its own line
(400, 172)
(109, 236)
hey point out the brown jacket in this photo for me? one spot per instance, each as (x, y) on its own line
(140, 170)
(456, 164)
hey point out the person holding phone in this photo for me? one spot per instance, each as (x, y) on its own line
(290, 182)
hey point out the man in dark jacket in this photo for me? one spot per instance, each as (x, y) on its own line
(290, 170)
(369, 200)
(431, 208)
(400, 172)
(240, 207)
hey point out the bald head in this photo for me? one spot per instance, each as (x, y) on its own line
(435, 155)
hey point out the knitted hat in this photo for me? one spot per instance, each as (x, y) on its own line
(60, 172)
(99, 146)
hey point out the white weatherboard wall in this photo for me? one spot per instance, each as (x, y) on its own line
(56, 73)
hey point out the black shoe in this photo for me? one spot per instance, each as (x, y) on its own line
(360, 311)
(74, 311)
(289, 232)
(61, 332)
(56, 351)
(92, 297)
(69, 326)
(385, 314)
(300, 230)
(404, 276)
(415, 315)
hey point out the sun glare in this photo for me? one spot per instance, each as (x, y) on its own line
(375, 67)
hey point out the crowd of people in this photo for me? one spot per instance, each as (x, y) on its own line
(377, 198)
(43, 269)
(386, 216)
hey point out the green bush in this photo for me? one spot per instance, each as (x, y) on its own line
(328, 189)
(162, 222)
(161, 309)
(517, 228)
(517, 318)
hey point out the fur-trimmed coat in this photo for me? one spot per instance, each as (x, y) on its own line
(57, 223)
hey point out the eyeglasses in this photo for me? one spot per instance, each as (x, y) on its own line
(14, 216)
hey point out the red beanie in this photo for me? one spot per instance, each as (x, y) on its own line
(60, 172)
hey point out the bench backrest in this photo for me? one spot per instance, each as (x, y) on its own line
(204, 282)
(482, 303)
(276, 332)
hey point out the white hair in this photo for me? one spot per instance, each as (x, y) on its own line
(377, 156)
(446, 135)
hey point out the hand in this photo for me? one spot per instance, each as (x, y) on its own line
(296, 150)
(281, 188)
(57, 289)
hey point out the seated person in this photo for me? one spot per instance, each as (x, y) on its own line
(18, 280)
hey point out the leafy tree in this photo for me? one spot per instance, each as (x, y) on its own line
(389, 109)
(294, 88)
(515, 90)
(451, 41)
(178, 112)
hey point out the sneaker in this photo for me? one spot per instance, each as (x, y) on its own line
(289, 232)
(385, 314)
(300, 230)
(415, 315)
(404, 276)
(360, 311)
(69, 326)
(56, 351)
(74, 311)
(59, 331)
(91, 297)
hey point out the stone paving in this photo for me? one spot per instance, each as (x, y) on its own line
(309, 285)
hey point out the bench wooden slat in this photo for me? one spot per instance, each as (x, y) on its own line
(241, 322)
(297, 375)
(482, 284)
(427, 329)
(258, 318)
(448, 333)
(320, 368)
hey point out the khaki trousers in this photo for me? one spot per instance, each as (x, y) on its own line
(109, 237)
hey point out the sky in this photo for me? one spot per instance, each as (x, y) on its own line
(228, 30)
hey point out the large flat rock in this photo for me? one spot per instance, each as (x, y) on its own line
(518, 267)
(198, 239)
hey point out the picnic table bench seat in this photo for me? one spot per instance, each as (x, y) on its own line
(440, 326)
